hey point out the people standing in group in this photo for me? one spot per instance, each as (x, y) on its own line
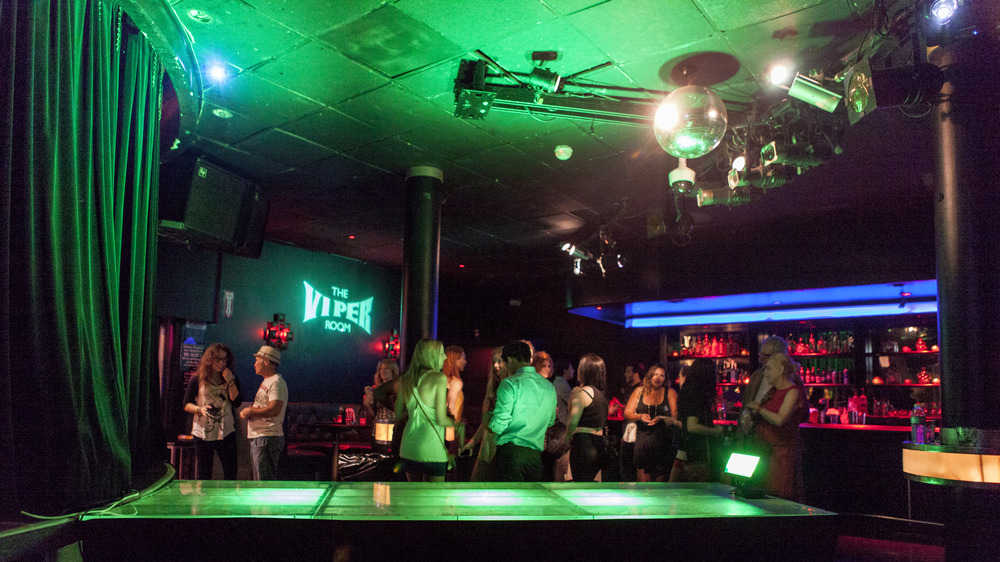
(587, 417)
(266, 416)
(632, 380)
(653, 407)
(380, 398)
(525, 408)
(778, 427)
(695, 407)
(563, 383)
(423, 400)
(213, 395)
(482, 470)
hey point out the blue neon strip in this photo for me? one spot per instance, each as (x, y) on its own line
(795, 314)
(919, 290)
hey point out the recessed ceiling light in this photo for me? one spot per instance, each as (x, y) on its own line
(222, 113)
(350, 237)
(200, 16)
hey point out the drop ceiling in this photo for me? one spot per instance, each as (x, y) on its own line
(331, 102)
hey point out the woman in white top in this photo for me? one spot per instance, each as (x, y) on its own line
(213, 394)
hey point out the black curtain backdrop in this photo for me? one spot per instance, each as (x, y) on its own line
(79, 126)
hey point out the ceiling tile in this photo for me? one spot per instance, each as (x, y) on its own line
(575, 51)
(259, 37)
(732, 14)
(285, 148)
(392, 110)
(332, 128)
(451, 138)
(226, 130)
(396, 156)
(249, 166)
(317, 71)
(630, 29)
(313, 16)
(248, 94)
(471, 24)
(391, 42)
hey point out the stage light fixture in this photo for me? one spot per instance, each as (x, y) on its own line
(793, 155)
(723, 196)
(577, 253)
(690, 122)
(545, 80)
(810, 91)
(739, 163)
(578, 267)
(943, 10)
(472, 101)
(277, 333)
(778, 74)
(889, 87)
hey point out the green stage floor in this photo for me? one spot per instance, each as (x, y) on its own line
(450, 501)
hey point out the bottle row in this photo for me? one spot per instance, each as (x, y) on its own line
(713, 345)
(820, 343)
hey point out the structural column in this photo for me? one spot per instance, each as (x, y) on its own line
(421, 253)
(967, 225)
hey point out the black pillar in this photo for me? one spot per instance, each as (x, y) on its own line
(421, 251)
(967, 217)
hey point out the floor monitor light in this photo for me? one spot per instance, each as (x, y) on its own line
(741, 467)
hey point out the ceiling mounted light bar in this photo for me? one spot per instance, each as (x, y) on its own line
(888, 299)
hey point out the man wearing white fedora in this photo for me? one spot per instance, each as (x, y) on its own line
(266, 416)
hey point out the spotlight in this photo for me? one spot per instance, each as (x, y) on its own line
(564, 151)
(943, 10)
(278, 334)
(545, 80)
(577, 254)
(778, 74)
(889, 87)
(737, 178)
(577, 267)
(740, 163)
(217, 73)
(723, 196)
(811, 92)
(793, 155)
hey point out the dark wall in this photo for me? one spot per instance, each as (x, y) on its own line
(322, 363)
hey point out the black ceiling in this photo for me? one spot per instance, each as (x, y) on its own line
(330, 102)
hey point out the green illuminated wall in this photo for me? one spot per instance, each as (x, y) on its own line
(321, 364)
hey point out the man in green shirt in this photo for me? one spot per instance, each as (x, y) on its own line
(526, 407)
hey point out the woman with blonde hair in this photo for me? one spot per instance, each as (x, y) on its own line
(481, 471)
(378, 396)
(454, 364)
(783, 413)
(213, 394)
(423, 400)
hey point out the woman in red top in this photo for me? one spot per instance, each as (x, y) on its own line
(785, 410)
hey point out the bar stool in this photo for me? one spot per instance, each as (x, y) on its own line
(182, 457)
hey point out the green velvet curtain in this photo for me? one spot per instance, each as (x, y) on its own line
(79, 100)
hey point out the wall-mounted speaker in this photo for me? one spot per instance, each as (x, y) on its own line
(204, 205)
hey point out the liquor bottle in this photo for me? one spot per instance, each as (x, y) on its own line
(917, 424)
(812, 343)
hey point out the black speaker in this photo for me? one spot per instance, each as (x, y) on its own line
(204, 205)
(250, 239)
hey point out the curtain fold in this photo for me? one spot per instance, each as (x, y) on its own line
(79, 172)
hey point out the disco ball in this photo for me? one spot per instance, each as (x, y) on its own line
(690, 122)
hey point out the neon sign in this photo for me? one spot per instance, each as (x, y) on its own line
(357, 313)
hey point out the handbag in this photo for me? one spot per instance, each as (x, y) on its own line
(628, 436)
(555, 443)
